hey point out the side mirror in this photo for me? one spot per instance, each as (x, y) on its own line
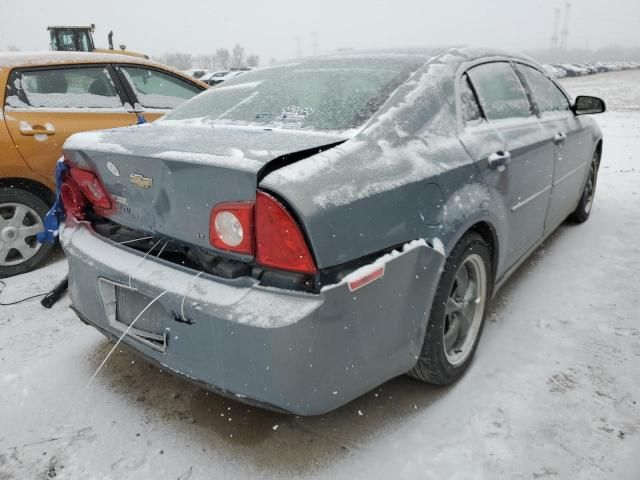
(589, 105)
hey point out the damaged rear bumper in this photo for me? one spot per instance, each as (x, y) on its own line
(297, 352)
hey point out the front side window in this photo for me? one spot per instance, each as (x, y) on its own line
(546, 94)
(500, 92)
(155, 89)
(90, 87)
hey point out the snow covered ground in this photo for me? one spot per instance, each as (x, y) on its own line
(554, 391)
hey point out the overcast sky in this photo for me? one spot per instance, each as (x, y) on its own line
(270, 28)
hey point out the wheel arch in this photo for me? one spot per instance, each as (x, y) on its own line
(39, 189)
(599, 151)
(488, 233)
(490, 237)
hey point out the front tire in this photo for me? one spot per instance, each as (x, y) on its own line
(583, 210)
(457, 314)
(21, 219)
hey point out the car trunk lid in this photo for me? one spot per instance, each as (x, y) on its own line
(165, 178)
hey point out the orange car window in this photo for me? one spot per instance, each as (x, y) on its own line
(155, 89)
(90, 87)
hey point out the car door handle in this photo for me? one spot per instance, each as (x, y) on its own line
(30, 131)
(499, 159)
(560, 138)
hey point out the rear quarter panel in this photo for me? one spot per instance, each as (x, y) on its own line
(405, 176)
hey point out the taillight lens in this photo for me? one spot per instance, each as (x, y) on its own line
(231, 227)
(91, 187)
(279, 241)
(73, 200)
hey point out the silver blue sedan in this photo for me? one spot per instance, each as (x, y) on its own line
(307, 231)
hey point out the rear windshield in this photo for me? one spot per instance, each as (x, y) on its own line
(328, 95)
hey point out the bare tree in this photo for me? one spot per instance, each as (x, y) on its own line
(222, 57)
(253, 60)
(13, 48)
(205, 61)
(178, 60)
(237, 57)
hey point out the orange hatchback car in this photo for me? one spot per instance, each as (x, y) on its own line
(49, 96)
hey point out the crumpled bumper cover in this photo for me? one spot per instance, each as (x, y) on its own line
(298, 352)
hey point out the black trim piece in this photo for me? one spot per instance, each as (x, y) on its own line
(465, 78)
(126, 86)
(528, 90)
(199, 259)
(332, 275)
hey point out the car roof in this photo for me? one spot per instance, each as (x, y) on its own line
(41, 59)
(459, 54)
(14, 59)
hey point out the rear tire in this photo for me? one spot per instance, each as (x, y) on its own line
(457, 314)
(583, 210)
(21, 219)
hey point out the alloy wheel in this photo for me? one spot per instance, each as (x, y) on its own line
(465, 309)
(19, 225)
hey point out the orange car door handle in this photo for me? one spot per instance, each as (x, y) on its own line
(36, 130)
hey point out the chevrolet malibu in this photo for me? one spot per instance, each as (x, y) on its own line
(309, 231)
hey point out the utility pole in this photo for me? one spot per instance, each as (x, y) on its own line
(298, 47)
(314, 38)
(565, 29)
(556, 30)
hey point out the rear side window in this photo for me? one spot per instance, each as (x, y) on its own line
(546, 94)
(155, 89)
(471, 113)
(90, 87)
(499, 90)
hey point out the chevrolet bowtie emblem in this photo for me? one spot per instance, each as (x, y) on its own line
(140, 181)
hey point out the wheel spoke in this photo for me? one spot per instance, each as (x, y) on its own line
(462, 282)
(30, 231)
(471, 292)
(452, 307)
(4, 252)
(452, 334)
(465, 320)
(18, 216)
(25, 250)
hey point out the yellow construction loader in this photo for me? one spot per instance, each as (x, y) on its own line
(80, 39)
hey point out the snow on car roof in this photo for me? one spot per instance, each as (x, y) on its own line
(16, 59)
(36, 59)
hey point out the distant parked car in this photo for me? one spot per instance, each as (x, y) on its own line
(49, 96)
(214, 78)
(217, 78)
(195, 72)
(305, 232)
(555, 71)
(581, 69)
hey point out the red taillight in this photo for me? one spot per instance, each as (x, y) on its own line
(231, 227)
(73, 200)
(279, 242)
(91, 187)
